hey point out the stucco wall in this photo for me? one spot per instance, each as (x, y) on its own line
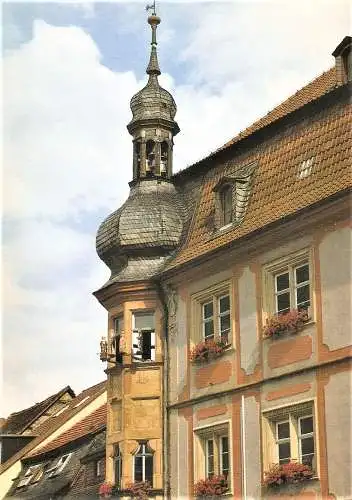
(248, 321)
(336, 274)
(338, 433)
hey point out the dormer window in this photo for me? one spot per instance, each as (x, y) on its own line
(232, 196)
(226, 204)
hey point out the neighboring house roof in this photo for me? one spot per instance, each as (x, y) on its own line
(17, 422)
(300, 162)
(54, 423)
(90, 424)
(49, 479)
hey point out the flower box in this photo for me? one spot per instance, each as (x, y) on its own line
(207, 350)
(290, 322)
(214, 486)
(139, 489)
(291, 473)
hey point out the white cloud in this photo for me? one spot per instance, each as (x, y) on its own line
(68, 155)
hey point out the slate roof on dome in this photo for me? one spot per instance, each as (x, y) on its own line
(277, 191)
(149, 222)
(153, 102)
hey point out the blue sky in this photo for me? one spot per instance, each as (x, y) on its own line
(69, 71)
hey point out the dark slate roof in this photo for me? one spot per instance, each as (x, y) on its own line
(48, 487)
(17, 422)
(143, 230)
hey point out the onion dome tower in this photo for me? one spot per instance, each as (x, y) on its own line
(135, 240)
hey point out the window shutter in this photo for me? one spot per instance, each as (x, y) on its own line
(136, 347)
(152, 346)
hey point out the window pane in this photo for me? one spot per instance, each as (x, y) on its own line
(283, 302)
(207, 310)
(283, 430)
(149, 469)
(225, 323)
(282, 282)
(307, 446)
(308, 460)
(118, 325)
(226, 202)
(306, 425)
(302, 273)
(138, 468)
(224, 303)
(302, 294)
(144, 320)
(224, 456)
(209, 329)
(284, 451)
(210, 458)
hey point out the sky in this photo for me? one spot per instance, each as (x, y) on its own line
(69, 71)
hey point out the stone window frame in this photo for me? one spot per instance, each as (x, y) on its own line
(118, 465)
(278, 266)
(137, 338)
(201, 435)
(146, 452)
(213, 293)
(291, 413)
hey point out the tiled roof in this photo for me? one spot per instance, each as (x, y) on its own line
(52, 424)
(323, 135)
(91, 423)
(19, 421)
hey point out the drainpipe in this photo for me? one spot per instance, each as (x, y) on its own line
(166, 485)
(243, 446)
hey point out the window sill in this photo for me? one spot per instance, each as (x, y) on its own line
(297, 485)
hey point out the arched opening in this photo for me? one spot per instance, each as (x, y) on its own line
(226, 205)
(150, 158)
(143, 463)
(164, 157)
(137, 158)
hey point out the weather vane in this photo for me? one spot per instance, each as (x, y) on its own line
(151, 7)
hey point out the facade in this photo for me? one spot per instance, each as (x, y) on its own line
(228, 347)
(59, 460)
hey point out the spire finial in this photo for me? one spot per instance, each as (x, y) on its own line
(153, 20)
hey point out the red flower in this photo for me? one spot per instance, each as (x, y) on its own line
(105, 489)
(139, 489)
(293, 472)
(206, 350)
(212, 486)
(290, 322)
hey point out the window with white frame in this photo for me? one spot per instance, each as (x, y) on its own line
(289, 284)
(31, 475)
(290, 435)
(143, 463)
(216, 318)
(143, 336)
(60, 464)
(214, 449)
(118, 332)
(99, 464)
